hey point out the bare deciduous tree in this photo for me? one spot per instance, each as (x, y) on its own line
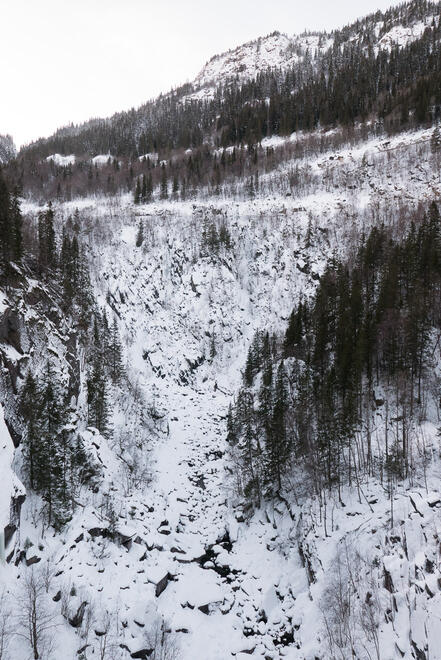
(350, 607)
(5, 625)
(162, 641)
(36, 618)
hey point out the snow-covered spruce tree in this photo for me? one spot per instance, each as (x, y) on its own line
(277, 445)
(137, 193)
(435, 141)
(266, 402)
(147, 188)
(175, 186)
(254, 359)
(46, 450)
(84, 296)
(97, 391)
(17, 226)
(164, 182)
(140, 234)
(114, 354)
(5, 227)
(47, 253)
(69, 267)
(49, 459)
(11, 238)
(29, 409)
(144, 189)
(248, 447)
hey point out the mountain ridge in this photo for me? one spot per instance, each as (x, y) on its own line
(398, 26)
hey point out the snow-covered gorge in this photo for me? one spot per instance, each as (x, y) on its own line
(188, 320)
(177, 540)
(259, 585)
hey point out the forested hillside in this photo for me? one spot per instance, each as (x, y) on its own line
(383, 69)
(359, 75)
(364, 343)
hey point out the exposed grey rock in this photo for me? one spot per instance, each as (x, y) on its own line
(162, 584)
(142, 654)
(77, 619)
(33, 560)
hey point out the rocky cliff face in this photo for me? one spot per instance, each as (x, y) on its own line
(33, 329)
(13, 494)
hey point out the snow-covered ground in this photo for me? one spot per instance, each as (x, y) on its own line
(102, 159)
(61, 161)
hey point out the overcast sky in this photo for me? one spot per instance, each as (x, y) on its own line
(68, 60)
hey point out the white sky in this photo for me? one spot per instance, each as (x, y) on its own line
(69, 60)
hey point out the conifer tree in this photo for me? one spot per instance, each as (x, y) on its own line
(83, 292)
(115, 354)
(435, 141)
(164, 182)
(212, 238)
(6, 230)
(67, 270)
(17, 227)
(29, 406)
(144, 189)
(294, 331)
(277, 444)
(149, 188)
(212, 347)
(175, 187)
(224, 236)
(48, 463)
(140, 234)
(249, 447)
(137, 193)
(266, 401)
(46, 239)
(97, 397)
(231, 430)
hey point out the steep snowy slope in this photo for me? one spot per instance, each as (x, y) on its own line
(282, 51)
(273, 51)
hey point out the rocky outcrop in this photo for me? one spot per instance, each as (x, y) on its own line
(77, 619)
(13, 493)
